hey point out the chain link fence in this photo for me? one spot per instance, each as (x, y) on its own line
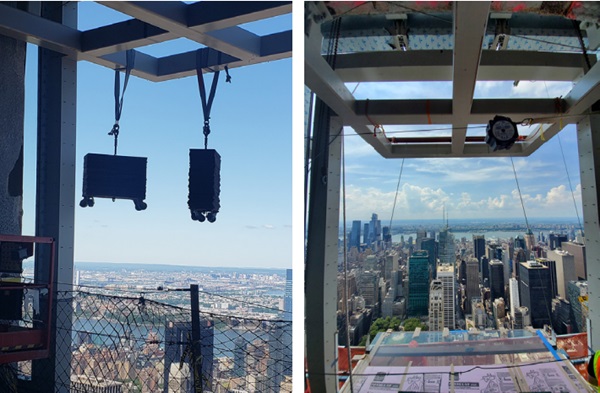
(130, 344)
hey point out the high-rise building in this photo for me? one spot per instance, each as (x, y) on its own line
(390, 264)
(520, 243)
(519, 256)
(529, 242)
(370, 263)
(555, 240)
(535, 291)
(553, 275)
(478, 247)
(576, 290)
(447, 251)
(561, 320)
(366, 238)
(496, 279)
(578, 251)
(445, 274)
(178, 336)
(522, 318)
(485, 271)
(565, 270)
(280, 355)
(355, 235)
(287, 296)
(436, 306)
(428, 244)
(418, 284)
(368, 287)
(472, 282)
(513, 290)
(239, 357)
(421, 234)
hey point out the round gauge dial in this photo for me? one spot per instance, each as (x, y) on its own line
(503, 130)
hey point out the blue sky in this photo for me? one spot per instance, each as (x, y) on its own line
(470, 187)
(251, 123)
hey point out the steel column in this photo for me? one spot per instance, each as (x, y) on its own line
(322, 254)
(55, 197)
(588, 135)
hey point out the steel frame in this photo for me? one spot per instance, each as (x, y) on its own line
(466, 64)
(207, 23)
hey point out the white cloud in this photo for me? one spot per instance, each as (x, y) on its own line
(416, 202)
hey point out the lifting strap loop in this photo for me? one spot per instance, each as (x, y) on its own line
(129, 64)
(202, 62)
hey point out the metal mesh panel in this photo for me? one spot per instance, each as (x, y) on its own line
(121, 344)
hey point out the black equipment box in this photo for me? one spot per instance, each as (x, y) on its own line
(204, 184)
(116, 177)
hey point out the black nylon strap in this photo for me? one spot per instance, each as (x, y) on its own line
(129, 64)
(202, 62)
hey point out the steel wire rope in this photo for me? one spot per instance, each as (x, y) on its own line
(396, 196)
(570, 184)
(345, 297)
(565, 164)
(529, 233)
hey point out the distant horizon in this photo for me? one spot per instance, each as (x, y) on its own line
(125, 265)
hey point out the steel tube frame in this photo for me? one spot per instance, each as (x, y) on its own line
(321, 254)
(55, 196)
(588, 140)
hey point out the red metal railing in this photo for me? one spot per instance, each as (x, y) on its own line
(17, 342)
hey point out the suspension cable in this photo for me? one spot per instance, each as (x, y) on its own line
(520, 196)
(396, 196)
(570, 184)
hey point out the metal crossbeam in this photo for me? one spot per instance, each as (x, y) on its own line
(208, 23)
(436, 65)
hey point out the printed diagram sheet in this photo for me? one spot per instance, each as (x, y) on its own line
(549, 377)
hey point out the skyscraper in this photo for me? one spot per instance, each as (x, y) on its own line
(391, 264)
(535, 291)
(553, 275)
(555, 240)
(445, 274)
(496, 279)
(436, 306)
(515, 302)
(578, 252)
(485, 271)
(428, 244)
(478, 247)
(565, 270)
(418, 284)
(355, 235)
(472, 282)
(575, 290)
(287, 296)
(446, 247)
(529, 242)
(178, 336)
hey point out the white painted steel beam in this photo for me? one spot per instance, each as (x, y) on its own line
(415, 112)
(582, 96)
(470, 23)
(172, 16)
(436, 65)
(324, 82)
